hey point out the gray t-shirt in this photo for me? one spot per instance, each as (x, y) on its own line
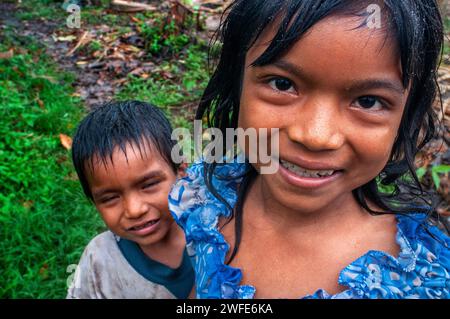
(104, 273)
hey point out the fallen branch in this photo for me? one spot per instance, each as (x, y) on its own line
(84, 39)
(129, 6)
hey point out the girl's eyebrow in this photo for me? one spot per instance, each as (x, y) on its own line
(356, 86)
(371, 84)
(291, 68)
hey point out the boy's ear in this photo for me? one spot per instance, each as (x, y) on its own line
(182, 170)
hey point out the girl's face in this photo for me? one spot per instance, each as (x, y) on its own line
(337, 98)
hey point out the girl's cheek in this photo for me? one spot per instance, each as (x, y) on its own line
(262, 112)
(373, 147)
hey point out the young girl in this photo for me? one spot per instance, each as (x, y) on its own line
(350, 86)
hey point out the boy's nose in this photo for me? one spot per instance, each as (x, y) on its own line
(135, 207)
(318, 126)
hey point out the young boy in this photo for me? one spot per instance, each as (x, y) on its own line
(121, 152)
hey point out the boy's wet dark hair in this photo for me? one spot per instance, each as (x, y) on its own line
(415, 26)
(118, 124)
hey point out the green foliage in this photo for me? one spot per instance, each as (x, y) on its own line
(95, 45)
(173, 84)
(97, 16)
(45, 220)
(420, 172)
(446, 49)
(41, 9)
(162, 36)
(435, 172)
(385, 189)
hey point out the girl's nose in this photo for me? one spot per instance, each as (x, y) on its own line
(135, 207)
(318, 126)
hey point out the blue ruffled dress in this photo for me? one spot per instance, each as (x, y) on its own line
(421, 271)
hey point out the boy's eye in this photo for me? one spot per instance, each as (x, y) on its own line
(282, 84)
(369, 102)
(149, 185)
(108, 199)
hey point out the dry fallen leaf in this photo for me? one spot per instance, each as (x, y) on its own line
(40, 103)
(72, 176)
(7, 55)
(129, 48)
(134, 19)
(43, 272)
(66, 141)
(28, 204)
(68, 38)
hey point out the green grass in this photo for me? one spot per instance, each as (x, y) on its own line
(173, 84)
(447, 30)
(45, 220)
(41, 9)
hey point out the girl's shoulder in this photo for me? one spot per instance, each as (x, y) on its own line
(424, 235)
(420, 271)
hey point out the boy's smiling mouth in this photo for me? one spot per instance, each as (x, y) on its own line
(145, 228)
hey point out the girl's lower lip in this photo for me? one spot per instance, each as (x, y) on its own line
(147, 230)
(307, 182)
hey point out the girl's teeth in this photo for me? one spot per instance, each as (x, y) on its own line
(306, 172)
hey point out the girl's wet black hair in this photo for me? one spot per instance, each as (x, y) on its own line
(118, 124)
(417, 28)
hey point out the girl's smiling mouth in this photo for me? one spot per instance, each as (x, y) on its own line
(309, 175)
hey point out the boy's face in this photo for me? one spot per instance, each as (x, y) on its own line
(131, 194)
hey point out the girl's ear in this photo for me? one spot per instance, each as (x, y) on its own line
(182, 170)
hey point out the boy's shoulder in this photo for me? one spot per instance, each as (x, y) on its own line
(103, 272)
(101, 250)
(105, 242)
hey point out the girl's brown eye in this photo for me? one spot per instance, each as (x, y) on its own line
(281, 84)
(369, 102)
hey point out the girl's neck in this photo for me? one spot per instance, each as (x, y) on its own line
(267, 213)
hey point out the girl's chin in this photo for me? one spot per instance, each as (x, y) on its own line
(301, 201)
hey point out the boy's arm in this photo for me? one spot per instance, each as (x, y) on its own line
(82, 285)
(92, 279)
